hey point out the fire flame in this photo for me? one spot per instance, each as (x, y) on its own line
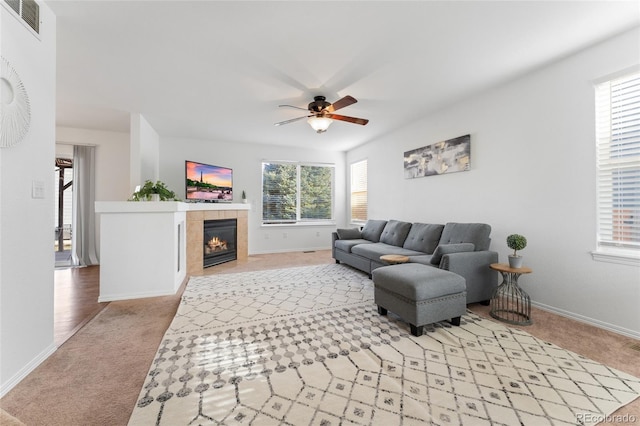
(216, 244)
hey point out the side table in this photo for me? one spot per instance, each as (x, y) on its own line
(509, 302)
(393, 259)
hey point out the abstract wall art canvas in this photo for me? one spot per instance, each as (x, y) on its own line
(453, 155)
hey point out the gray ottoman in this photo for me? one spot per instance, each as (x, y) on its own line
(420, 294)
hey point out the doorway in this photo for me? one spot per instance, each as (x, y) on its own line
(63, 212)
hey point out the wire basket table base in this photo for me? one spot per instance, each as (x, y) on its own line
(509, 302)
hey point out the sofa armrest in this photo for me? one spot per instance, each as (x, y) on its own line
(474, 267)
(334, 237)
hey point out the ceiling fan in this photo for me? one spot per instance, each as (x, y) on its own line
(321, 113)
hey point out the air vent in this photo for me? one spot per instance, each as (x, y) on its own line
(28, 10)
(14, 4)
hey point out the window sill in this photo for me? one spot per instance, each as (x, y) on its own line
(297, 224)
(622, 257)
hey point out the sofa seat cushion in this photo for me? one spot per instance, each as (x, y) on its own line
(375, 250)
(395, 232)
(418, 282)
(424, 259)
(347, 245)
(423, 237)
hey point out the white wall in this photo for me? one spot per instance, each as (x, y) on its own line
(111, 163)
(112, 159)
(143, 252)
(144, 152)
(26, 223)
(246, 162)
(533, 173)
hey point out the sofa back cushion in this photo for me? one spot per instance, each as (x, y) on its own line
(476, 233)
(372, 230)
(423, 237)
(395, 232)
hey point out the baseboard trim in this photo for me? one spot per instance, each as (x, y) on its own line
(129, 296)
(24, 372)
(587, 320)
(290, 250)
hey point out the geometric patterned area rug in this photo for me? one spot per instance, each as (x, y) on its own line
(306, 346)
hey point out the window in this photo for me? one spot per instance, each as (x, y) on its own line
(293, 193)
(618, 165)
(359, 191)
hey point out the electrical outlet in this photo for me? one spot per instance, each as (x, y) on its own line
(317, 233)
(266, 236)
(284, 235)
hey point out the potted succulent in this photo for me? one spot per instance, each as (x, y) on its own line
(155, 192)
(244, 197)
(516, 242)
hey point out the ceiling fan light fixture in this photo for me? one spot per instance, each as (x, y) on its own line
(320, 124)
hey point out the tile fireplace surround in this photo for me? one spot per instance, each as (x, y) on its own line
(195, 241)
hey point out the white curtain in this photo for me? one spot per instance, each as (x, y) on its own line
(83, 240)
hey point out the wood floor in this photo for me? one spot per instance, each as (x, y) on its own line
(75, 300)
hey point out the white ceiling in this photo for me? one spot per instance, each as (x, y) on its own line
(218, 70)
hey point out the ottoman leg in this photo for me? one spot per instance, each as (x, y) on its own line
(455, 321)
(417, 330)
(381, 310)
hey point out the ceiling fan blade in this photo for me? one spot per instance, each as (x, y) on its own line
(292, 120)
(341, 103)
(292, 106)
(354, 120)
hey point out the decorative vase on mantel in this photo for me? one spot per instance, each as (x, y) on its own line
(154, 197)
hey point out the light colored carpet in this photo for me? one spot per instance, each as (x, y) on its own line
(7, 419)
(306, 346)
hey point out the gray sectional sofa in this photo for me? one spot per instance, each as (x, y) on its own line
(462, 248)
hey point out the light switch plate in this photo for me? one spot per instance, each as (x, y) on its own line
(37, 189)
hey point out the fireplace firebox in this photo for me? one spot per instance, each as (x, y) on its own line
(220, 239)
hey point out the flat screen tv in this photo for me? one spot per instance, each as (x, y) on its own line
(208, 183)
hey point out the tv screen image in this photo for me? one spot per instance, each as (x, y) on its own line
(206, 182)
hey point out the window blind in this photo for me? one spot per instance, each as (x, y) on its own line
(279, 193)
(618, 162)
(316, 194)
(293, 192)
(359, 198)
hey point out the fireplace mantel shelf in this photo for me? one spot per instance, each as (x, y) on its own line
(163, 206)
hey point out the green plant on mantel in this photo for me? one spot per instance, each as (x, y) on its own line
(149, 188)
(516, 242)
